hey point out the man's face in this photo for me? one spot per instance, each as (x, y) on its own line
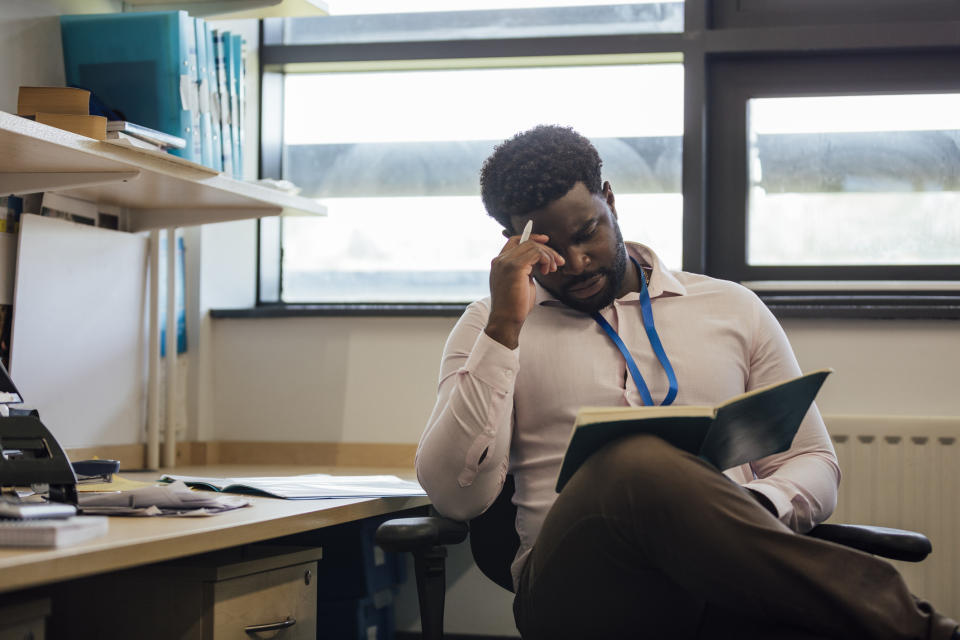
(583, 229)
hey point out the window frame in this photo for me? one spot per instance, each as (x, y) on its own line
(721, 44)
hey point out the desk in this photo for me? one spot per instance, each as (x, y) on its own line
(134, 542)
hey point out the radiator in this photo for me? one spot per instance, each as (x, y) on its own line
(904, 472)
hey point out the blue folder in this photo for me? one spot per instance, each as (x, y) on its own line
(140, 64)
(231, 51)
(203, 93)
(221, 41)
(236, 42)
(213, 97)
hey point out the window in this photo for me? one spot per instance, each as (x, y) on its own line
(810, 150)
(396, 162)
(854, 180)
(393, 148)
(836, 168)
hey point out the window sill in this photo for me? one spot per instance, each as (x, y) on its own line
(942, 305)
(365, 309)
(784, 304)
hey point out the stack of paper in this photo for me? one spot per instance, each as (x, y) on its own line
(51, 532)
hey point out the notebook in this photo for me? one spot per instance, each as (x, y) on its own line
(51, 533)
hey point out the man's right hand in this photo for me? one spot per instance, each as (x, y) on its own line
(512, 292)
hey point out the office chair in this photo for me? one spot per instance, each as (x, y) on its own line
(494, 543)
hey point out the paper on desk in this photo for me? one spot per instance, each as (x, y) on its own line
(175, 499)
(117, 483)
(310, 486)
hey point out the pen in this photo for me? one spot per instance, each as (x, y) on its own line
(526, 231)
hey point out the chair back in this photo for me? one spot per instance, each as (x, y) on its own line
(493, 537)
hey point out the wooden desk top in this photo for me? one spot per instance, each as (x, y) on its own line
(139, 541)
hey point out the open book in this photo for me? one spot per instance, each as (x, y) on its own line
(311, 486)
(745, 428)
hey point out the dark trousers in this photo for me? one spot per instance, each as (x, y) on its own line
(646, 541)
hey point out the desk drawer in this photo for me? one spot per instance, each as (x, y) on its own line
(281, 602)
(214, 596)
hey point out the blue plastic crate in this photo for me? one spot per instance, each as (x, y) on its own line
(353, 567)
(370, 618)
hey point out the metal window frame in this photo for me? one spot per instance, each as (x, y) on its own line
(720, 45)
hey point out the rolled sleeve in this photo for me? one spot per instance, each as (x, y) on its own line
(802, 481)
(464, 451)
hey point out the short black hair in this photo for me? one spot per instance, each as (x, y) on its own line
(534, 168)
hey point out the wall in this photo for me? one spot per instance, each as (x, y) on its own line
(373, 380)
(30, 42)
(356, 371)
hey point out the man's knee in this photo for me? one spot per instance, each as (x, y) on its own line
(643, 462)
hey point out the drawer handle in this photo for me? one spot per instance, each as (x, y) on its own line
(271, 626)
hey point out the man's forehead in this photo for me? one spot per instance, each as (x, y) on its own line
(570, 213)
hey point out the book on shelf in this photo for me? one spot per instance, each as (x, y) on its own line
(213, 92)
(56, 205)
(124, 140)
(238, 66)
(84, 125)
(203, 93)
(69, 100)
(121, 129)
(310, 486)
(745, 428)
(221, 42)
(10, 209)
(50, 532)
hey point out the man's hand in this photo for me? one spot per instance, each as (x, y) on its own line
(512, 292)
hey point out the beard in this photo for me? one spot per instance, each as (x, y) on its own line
(614, 276)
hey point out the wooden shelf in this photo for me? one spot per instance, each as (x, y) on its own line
(234, 9)
(158, 190)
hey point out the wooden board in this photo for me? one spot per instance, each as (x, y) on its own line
(79, 346)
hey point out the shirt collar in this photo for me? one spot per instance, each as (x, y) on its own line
(662, 281)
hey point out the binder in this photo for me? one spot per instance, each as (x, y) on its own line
(213, 96)
(236, 41)
(140, 64)
(203, 94)
(179, 295)
(232, 68)
(220, 40)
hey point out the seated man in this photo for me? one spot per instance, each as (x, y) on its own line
(645, 540)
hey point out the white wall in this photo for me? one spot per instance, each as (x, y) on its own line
(30, 49)
(374, 379)
(355, 371)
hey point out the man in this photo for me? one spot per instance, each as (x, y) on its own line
(644, 540)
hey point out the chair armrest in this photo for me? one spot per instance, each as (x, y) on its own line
(411, 534)
(896, 544)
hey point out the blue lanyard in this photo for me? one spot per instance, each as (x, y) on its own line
(646, 311)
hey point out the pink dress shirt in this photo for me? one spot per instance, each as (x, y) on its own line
(519, 405)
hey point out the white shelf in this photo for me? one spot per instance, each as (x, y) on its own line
(158, 190)
(233, 9)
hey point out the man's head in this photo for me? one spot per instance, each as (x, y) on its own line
(552, 175)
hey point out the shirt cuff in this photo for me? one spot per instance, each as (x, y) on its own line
(778, 498)
(493, 363)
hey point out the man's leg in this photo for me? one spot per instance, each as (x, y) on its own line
(648, 541)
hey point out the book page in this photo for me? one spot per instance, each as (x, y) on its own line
(589, 415)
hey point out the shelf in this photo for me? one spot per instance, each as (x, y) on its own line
(234, 9)
(159, 190)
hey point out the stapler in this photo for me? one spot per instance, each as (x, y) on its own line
(29, 454)
(32, 456)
